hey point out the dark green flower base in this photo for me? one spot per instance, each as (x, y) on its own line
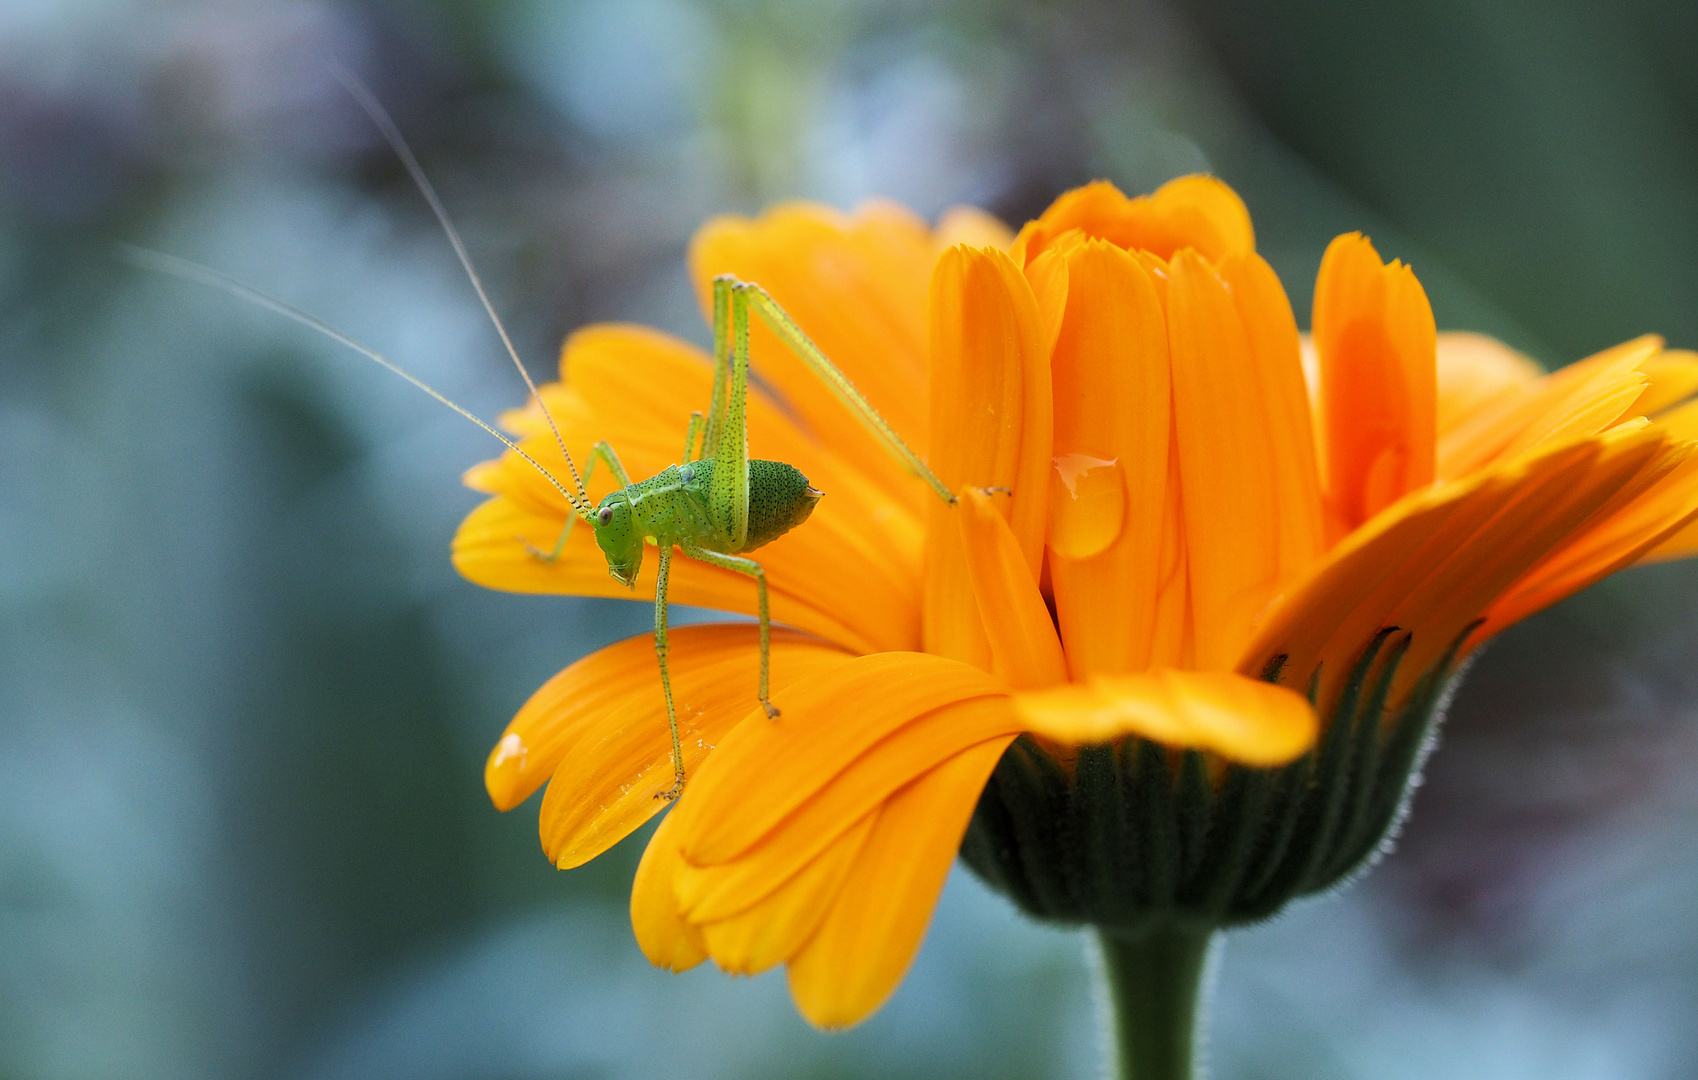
(1137, 839)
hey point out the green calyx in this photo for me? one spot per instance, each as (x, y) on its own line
(1137, 838)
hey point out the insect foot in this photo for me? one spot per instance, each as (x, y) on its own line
(672, 793)
(538, 553)
(772, 712)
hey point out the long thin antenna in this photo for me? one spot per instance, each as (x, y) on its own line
(392, 134)
(160, 262)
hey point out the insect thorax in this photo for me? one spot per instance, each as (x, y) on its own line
(671, 506)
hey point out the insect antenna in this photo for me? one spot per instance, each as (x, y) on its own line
(160, 262)
(398, 143)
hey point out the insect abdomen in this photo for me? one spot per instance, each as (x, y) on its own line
(780, 498)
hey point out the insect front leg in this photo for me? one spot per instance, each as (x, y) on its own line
(660, 589)
(604, 451)
(690, 438)
(752, 569)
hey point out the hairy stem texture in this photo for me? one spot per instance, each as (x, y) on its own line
(1154, 992)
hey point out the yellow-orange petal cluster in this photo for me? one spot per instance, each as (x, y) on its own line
(1159, 503)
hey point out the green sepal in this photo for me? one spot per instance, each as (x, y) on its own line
(1133, 836)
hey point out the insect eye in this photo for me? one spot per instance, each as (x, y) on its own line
(605, 515)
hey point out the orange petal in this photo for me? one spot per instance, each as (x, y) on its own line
(1437, 559)
(868, 940)
(484, 477)
(950, 620)
(1350, 593)
(633, 379)
(489, 549)
(1240, 718)
(1545, 515)
(767, 770)
(982, 320)
(1197, 212)
(1201, 212)
(554, 718)
(1090, 210)
(667, 940)
(1375, 338)
(1644, 515)
(1682, 543)
(717, 891)
(529, 418)
(985, 333)
(598, 729)
(1024, 648)
(971, 226)
(1474, 372)
(856, 284)
(1581, 399)
(1112, 433)
(1674, 378)
(1226, 463)
(1278, 369)
(1048, 276)
(775, 927)
(1681, 422)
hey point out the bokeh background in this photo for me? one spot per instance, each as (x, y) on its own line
(245, 702)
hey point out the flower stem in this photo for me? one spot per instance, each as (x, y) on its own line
(1154, 984)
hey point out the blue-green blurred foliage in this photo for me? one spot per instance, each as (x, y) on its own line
(244, 700)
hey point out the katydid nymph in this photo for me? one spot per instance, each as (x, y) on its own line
(715, 506)
(719, 504)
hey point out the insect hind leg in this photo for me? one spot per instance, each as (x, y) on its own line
(828, 373)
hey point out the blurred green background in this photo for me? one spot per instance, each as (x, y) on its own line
(245, 702)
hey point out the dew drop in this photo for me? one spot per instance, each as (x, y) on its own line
(1088, 507)
(509, 748)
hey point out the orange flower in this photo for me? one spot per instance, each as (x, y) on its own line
(1159, 518)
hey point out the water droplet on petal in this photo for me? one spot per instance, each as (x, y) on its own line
(1087, 508)
(509, 748)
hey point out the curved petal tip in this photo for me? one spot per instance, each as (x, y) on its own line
(1247, 720)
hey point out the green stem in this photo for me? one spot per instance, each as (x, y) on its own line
(1154, 989)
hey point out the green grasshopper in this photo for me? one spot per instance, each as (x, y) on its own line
(719, 504)
(714, 507)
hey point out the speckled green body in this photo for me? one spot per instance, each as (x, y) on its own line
(672, 508)
(675, 504)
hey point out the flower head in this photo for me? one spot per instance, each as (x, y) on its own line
(1175, 562)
